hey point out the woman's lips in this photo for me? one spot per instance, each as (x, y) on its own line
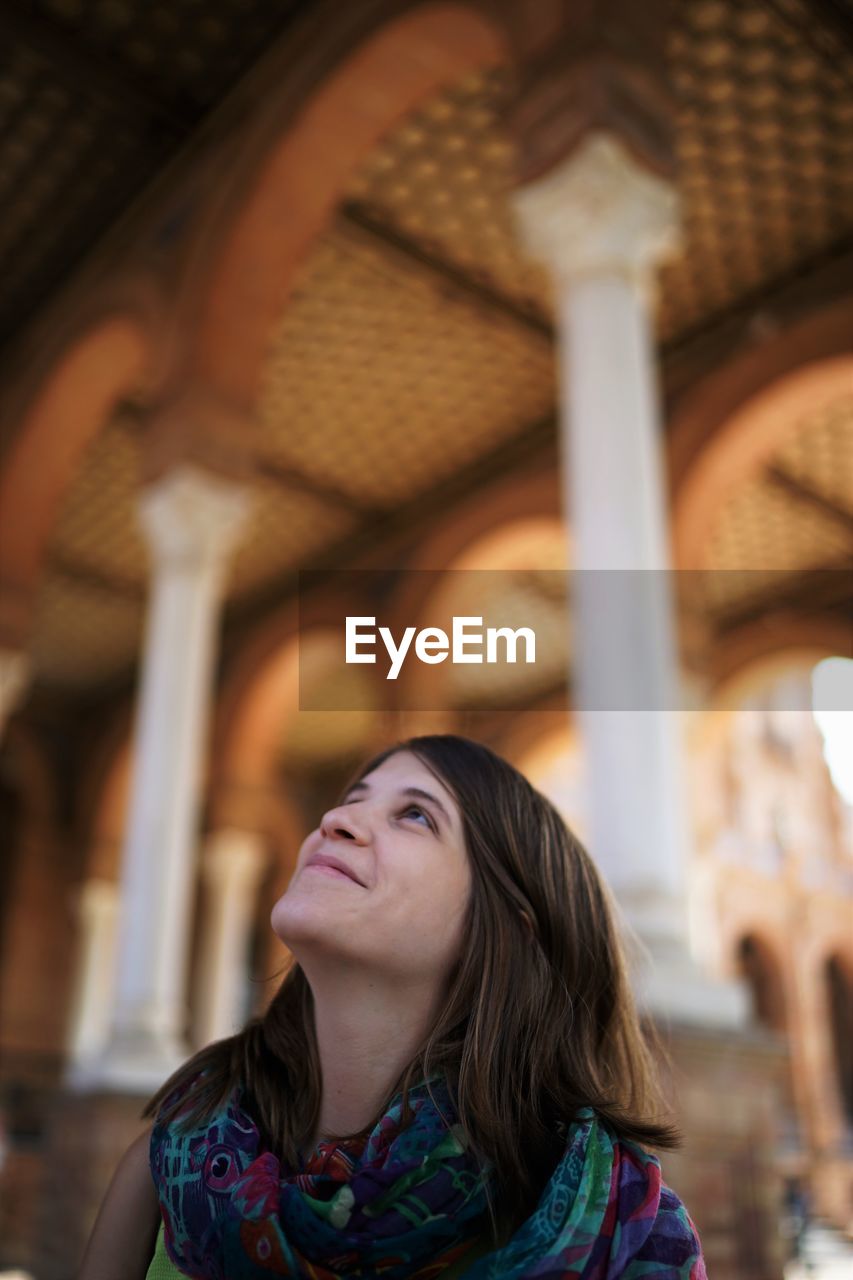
(330, 871)
(339, 865)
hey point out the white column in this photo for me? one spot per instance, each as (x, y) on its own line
(191, 519)
(232, 864)
(14, 678)
(601, 222)
(97, 911)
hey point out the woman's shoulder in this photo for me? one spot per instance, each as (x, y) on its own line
(662, 1233)
(127, 1217)
(672, 1243)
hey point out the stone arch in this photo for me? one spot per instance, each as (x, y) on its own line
(759, 960)
(532, 496)
(838, 979)
(550, 755)
(754, 652)
(730, 422)
(359, 74)
(498, 538)
(107, 362)
(259, 700)
(261, 693)
(760, 967)
(532, 499)
(261, 690)
(257, 689)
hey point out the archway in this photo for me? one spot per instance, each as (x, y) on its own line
(74, 402)
(339, 115)
(729, 424)
(512, 574)
(839, 996)
(758, 966)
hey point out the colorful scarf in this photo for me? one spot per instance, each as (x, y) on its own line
(408, 1203)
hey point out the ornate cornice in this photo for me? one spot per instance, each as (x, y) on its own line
(599, 212)
(603, 70)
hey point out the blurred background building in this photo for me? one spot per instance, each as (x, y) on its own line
(526, 286)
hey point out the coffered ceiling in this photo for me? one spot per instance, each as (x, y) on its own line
(415, 355)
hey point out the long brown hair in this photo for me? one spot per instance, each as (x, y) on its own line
(538, 1018)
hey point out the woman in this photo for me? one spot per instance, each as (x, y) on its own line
(451, 1079)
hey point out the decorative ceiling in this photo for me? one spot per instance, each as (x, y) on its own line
(416, 350)
(791, 525)
(765, 150)
(382, 385)
(96, 97)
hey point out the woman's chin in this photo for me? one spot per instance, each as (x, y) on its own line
(299, 919)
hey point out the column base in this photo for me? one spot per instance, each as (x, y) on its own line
(669, 986)
(135, 1061)
(667, 981)
(731, 1097)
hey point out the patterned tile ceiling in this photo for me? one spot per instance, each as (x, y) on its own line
(96, 97)
(761, 528)
(791, 520)
(820, 455)
(98, 556)
(97, 531)
(417, 340)
(765, 150)
(381, 385)
(442, 179)
(84, 634)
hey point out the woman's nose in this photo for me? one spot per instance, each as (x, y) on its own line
(342, 822)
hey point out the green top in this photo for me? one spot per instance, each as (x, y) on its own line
(161, 1266)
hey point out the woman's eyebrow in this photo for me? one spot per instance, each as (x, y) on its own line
(420, 794)
(416, 792)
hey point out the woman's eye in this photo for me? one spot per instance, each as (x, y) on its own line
(413, 808)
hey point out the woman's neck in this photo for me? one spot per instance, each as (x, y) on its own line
(366, 1035)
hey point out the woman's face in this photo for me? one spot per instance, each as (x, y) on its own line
(399, 832)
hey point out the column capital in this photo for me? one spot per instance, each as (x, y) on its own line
(232, 856)
(198, 426)
(95, 896)
(599, 212)
(192, 517)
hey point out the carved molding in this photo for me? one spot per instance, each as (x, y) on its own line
(599, 212)
(192, 518)
(233, 860)
(603, 69)
(198, 427)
